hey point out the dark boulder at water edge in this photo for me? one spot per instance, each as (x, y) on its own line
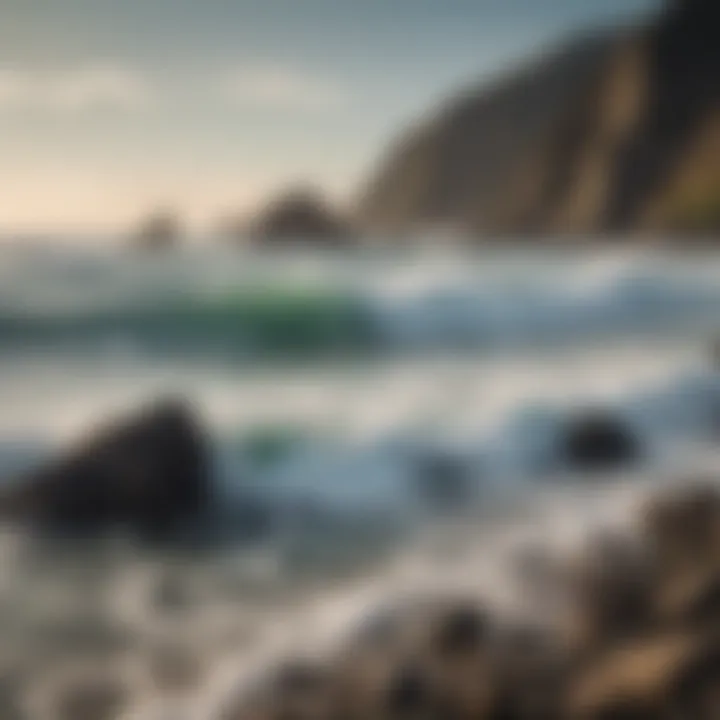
(149, 473)
(598, 440)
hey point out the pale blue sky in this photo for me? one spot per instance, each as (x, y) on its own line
(108, 107)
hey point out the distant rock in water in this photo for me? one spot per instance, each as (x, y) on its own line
(149, 473)
(618, 132)
(300, 216)
(598, 441)
(159, 232)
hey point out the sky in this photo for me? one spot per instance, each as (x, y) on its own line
(111, 108)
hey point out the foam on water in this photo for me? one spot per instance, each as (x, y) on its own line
(237, 307)
(482, 357)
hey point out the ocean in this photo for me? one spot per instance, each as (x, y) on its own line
(327, 383)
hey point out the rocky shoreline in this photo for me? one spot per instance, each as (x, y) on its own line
(635, 635)
(625, 625)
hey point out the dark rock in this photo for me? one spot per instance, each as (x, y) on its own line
(682, 526)
(149, 473)
(299, 678)
(409, 693)
(296, 690)
(690, 602)
(682, 530)
(599, 441)
(528, 675)
(643, 680)
(460, 631)
(611, 591)
(300, 216)
(695, 693)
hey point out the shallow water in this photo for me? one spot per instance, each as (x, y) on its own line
(322, 396)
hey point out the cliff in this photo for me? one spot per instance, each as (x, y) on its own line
(616, 133)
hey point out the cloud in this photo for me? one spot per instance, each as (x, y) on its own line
(281, 88)
(73, 90)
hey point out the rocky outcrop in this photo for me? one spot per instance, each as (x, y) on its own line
(598, 440)
(159, 232)
(617, 133)
(457, 660)
(299, 216)
(149, 473)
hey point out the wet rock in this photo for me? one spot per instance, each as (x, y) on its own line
(459, 631)
(299, 677)
(530, 671)
(682, 530)
(599, 441)
(408, 694)
(451, 672)
(611, 592)
(682, 527)
(296, 690)
(648, 679)
(697, 691)
(691, 601)
(149, 473)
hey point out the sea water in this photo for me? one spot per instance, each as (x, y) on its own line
(325, 382)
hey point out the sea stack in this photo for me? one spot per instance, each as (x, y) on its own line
(160, 231)
(299, 216)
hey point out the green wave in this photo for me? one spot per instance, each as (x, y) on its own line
(292, 321)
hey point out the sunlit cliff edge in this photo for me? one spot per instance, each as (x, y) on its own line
(617, 132)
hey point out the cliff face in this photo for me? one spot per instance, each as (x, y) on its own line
(617, 133)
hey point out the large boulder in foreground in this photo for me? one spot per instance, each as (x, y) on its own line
(149, 473)
(300, 216)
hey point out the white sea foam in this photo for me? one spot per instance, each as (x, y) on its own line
(485, 357)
